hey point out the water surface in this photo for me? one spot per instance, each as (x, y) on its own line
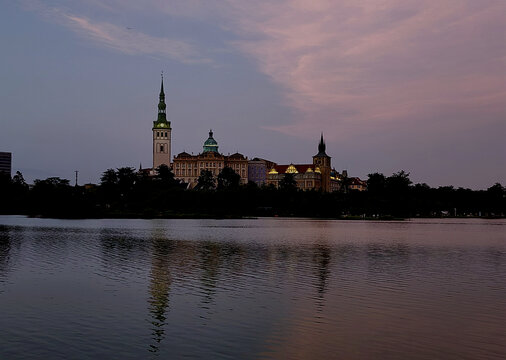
(252, 289)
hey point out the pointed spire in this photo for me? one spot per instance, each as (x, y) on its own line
(161, 89)
(321, 145)
(162, 118)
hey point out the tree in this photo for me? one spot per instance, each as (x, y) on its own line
(398, 182)
(126, 179)
(288, 182)
(376, 183)
(345, 184)
(228, 179)
(206, 180)
(19, 180)
(109, 178)
(165, 176)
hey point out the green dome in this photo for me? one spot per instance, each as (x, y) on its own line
(210, 144)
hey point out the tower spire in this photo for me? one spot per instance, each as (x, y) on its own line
(162, 117)
(321, 145)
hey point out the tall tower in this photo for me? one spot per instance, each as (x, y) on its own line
(161, 134)
(322, 161)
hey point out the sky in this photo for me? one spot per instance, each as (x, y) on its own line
(393, 85)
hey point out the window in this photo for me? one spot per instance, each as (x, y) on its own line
(158, 134)
(162, 148)
(166, 134)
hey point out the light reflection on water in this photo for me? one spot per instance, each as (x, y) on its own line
(267, 288)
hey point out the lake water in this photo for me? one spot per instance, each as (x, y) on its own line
(252, 289)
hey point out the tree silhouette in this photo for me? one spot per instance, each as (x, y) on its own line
(206, 180)
(288, 182)
(228, 179)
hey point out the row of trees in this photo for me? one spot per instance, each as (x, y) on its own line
(125, 192)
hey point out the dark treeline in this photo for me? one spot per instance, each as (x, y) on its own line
(127, 193)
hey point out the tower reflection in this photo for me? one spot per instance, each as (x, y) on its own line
(159, 288)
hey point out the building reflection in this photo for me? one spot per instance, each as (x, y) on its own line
(210, 265)
(159, 289)
(321, 259)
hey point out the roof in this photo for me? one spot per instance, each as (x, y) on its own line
(237, 156)
(357, 181)
(184, 154)
(300, 168)
(210, 144)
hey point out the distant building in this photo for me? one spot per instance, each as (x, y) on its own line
(6, 162)
(356, 184)
(188, 167)
(258, 169)
(319, 175)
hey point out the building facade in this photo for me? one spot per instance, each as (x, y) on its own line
(161, 134)
(187, 167)
(6, 162)
(356, 183)
(316, 176)
(258, 169)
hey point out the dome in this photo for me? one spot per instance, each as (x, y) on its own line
(210, 144)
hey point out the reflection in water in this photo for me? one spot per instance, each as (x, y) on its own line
(159, 288)
(210, 256)
(321, 257)
(238, 289)
(5, 248)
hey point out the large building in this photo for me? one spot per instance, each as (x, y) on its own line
(258, 169)
(6, 162)
(161, 134)
(187, 167)
(318, 176)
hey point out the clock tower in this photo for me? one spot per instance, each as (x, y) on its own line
(321, 161)
(161, 134)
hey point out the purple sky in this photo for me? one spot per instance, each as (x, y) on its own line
(393, 84)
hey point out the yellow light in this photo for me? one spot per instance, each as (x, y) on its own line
(291, 170)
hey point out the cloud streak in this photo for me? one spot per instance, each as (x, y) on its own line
(365, 62)
(123, 39)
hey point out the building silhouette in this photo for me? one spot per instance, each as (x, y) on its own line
(6, 162)
(319, 175)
